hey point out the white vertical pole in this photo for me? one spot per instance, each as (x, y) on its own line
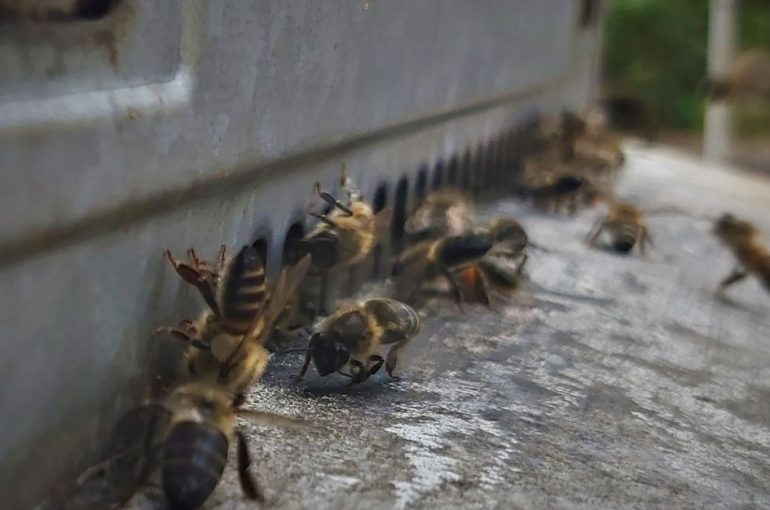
(721, 48)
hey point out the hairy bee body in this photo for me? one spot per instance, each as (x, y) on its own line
(196, 444)
(625, 226)
(194, 460)
(226, 345)
(430, 259)
(443, 213)
(500, 270)
(348, 241)
(351, 338)
(752, 255)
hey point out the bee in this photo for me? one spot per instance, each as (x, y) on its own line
(626, 227)
(430, 259)
(347, 234)
(226, 344)
(188, 440)
(743, 239)
(351, 337)
(748, 77)
(500, 270)
(565, 193)
(195, 448)
(442, 213)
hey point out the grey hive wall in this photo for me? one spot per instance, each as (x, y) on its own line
(195, 123)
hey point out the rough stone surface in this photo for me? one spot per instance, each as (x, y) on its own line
(611, 382)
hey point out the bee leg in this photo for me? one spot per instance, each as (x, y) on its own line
(324, 218)
(308, 357)
(737, 275)
(221, 258)
(357, 373)
(644, 239)
(376, 363)
(249, 485)
(185, 271)
(392, 357)
(194, 277)
(595, 232)
(186, 331)
(454, 288)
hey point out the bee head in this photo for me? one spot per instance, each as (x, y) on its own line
(328, 353)
(323, 249)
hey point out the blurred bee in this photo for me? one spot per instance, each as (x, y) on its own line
(226, 345)
(442, 213)
(743, 239)
(427, 260)
(351, 337)
(748, 77)
(187, 435)
(195, 448)
(500, 270)
(626, 227)
(347, 234)
(564, 194)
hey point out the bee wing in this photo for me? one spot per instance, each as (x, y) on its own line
(382, 223)
(272, 420)
(412, 265)
(131, 455)
(284, 288)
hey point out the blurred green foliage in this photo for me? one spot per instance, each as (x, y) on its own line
(656, 51)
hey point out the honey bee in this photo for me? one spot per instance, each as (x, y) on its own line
(347, 234)
(748, 77)
(226, 345)
(574, 171)
(351, 337)
(442, 213)
(188, 439)
(743, 239)
(500, 270)
(195, 447)
(430, 259)
(626, 227)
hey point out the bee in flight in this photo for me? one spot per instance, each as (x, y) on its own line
(752, 256)
(347, 234)
(226, 344)
(350, 338)
(749, 76)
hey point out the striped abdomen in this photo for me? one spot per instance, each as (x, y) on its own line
(193, 462)
(395, 317)
(624, 237)
(243, 291)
